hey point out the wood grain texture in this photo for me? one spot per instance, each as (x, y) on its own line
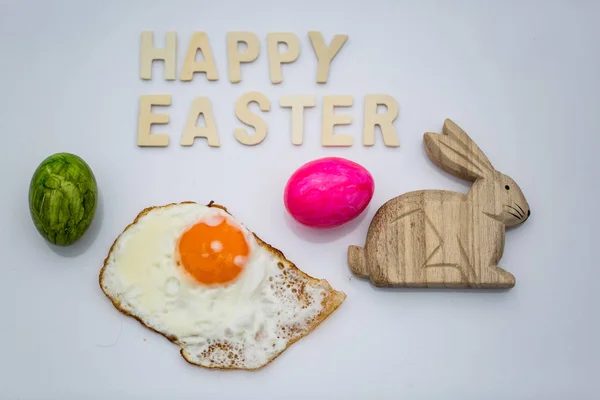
(437, 238)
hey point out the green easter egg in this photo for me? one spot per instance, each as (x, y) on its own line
(62, 198)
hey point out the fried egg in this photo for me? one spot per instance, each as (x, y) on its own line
(196, 275)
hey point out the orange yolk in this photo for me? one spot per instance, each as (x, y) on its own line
(213, 254)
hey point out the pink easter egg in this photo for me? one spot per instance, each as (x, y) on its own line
(328, 192)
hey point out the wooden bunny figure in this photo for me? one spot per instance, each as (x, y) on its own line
(437, 238)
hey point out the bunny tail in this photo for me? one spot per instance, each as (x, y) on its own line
(357, 261)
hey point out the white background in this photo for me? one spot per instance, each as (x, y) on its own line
(522, 78)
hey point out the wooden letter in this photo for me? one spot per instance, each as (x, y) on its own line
(150, 53)
(297, 104)
(201, 105)
(384, 120)
(200, 42)
(276, 58)
(244, 115)
(330, 120)
(235, 57)
(325, 54)
(146, 119)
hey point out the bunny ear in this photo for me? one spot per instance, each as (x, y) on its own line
(455, 132)
(456, 153)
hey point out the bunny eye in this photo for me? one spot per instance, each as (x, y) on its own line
(507, 187)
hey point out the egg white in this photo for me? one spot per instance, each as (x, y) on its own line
(244, 324)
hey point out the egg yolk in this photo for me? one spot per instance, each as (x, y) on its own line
(213, 254)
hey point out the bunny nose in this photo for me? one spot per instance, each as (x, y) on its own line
(528, 213)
